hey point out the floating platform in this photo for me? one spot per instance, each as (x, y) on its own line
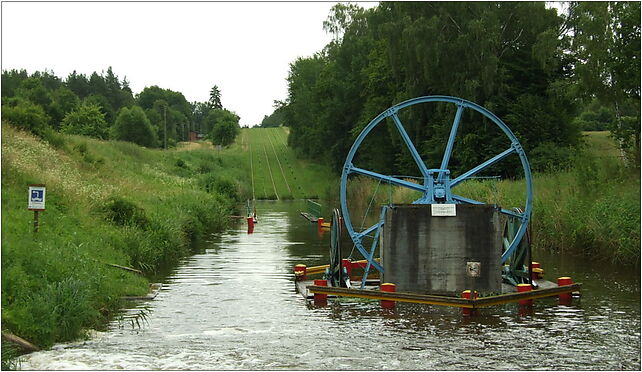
(479, 302)
(523, 293)
(303, 287)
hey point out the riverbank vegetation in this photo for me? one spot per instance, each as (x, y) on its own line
(534, 68)
(107, 202)
(547, 75)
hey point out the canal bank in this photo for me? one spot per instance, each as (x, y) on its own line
(234, 306)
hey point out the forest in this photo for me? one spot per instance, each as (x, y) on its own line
(103, 106)
(549, 76)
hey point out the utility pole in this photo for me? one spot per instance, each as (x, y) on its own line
(165, 121)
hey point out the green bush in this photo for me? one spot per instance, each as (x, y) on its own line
(54, 138)
(124, 213)
(227, 188)
(26, 115)
(132, 125)
(86, 120)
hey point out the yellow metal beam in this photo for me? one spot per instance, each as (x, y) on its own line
(444, 300)
(320, 269)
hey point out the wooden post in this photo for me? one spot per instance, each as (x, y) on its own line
(35, 221)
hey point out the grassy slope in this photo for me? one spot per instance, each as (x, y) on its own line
(276, 171)
(115, 202)
(56, 283)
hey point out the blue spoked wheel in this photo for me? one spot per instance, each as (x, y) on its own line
(437, 187)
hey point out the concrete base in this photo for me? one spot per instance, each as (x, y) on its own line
(427, 254)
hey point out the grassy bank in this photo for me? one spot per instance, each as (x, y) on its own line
(592, 208)
(107, 203)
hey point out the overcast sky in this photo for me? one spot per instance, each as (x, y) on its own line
(244, 48)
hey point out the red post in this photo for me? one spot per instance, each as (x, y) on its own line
(348, 265)
(525, 288)
(300, 272)
(319, 221)
(565, 298)
(466, 311)
(250, 224)
(320, 299)
(388, 287)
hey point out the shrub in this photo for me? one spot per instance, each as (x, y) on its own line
(26, 115)
(549, 157)
(54, 138)
(125, 213)
(132, 125)
(86, 120)
(227, 188)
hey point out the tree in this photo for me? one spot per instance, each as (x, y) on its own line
(504, 56)
(24, 114)
(105, 107)
(215, 98)
(277, 118)
(225, 126)
(86, 120)
(132, 125)
(606, 48)
(63, 101)
(11, 80)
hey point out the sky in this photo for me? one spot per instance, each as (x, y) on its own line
(243, 48)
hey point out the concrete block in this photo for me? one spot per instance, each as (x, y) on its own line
(427, 254)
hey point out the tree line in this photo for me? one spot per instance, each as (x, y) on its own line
(548, 76)
(104, 106)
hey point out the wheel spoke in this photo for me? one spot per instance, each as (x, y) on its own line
(481, 166)
(502, 210)
(451, 141)
(411, 147)
(370, 229)
(388, 179)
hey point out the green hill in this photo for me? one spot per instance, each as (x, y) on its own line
(276, 172)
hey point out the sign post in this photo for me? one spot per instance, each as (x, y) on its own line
(36, 202)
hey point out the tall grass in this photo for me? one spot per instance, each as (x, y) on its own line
(107, 203)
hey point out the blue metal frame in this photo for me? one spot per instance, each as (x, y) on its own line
(437, 183)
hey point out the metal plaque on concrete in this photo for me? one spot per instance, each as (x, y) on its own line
(473, 269)
(443, 210)
(36, 198)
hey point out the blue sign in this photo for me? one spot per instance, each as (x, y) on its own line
(37, 196)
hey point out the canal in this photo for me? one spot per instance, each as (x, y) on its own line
(233, 305)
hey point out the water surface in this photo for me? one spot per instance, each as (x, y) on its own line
(234, 306)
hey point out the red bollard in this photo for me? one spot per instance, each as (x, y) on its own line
(467, 311)
(388, 287)
(525, 288)
(300, 272)
(250, 225)
(320, 299)
(565, 298)
(319, 221)
(348, 265)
